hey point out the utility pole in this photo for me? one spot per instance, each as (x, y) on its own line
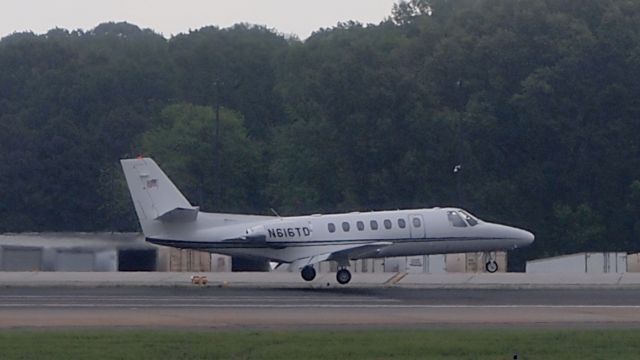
(217, 153)
(457, 170)
(113, 199)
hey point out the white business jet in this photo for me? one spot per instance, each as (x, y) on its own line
(167, 218)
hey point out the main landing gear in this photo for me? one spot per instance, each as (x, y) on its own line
(308, 273)
(343, 276)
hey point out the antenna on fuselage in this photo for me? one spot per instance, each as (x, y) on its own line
(275, 212)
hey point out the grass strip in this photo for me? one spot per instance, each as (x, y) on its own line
(377, 344)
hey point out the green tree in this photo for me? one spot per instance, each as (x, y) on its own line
(577, 229)
(233, 66)
(404, 11)
(184, 143)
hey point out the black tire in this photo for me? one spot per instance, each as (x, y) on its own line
(491, 266)
(343, 276)
(308, 273)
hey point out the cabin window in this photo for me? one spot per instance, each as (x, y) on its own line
(360, 225)
(455, 219)
(373, 224)
(345, 226)
(387, 224)
(402, 224)
(332, 227)
(470, 219)
(416, 222)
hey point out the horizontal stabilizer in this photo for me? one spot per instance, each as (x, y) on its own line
(180, 214)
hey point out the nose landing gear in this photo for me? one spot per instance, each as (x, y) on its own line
(491, 266)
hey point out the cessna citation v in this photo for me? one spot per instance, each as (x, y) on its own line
(167, 218)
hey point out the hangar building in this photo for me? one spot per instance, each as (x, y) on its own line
(109, 251)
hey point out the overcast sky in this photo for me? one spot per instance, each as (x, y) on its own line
(300, 17)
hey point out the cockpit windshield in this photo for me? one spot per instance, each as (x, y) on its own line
(470, 219)
(460, 218)
(455, 219)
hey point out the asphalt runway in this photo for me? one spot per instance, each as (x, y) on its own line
(330, 308)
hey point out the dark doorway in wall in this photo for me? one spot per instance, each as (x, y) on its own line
(248, 264)
(137, 260)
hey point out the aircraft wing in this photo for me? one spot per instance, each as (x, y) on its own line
(354, 252)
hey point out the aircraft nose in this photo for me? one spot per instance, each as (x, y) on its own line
(513, 236)
(517, 237)
(524, 237)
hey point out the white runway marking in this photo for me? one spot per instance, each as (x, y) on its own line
(198, 298)
(228, 308)
(306, 306)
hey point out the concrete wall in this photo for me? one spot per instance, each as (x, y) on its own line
(46, 259)
(171, 259)
(163, 258)
(220, 263)
(575, 263)
(592, 263)
(13, 258)
(75, 261)
(440, 263)
(189, 260)
(66, 251)
(76, 252)
(633, 262)
(106, 260)
(417, 264)
(437, 264)
(368, 266)
(84, 260)
(474, 262)
(617, 262)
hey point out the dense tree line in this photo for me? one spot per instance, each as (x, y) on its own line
(536, 103)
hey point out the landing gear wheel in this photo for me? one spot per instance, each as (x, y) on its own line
(491, 266)
(343, 276)
(308, 273)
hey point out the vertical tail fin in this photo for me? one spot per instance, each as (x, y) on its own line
(155, 197)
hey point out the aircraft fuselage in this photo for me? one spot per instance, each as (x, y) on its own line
(167, 218)
(409, 232)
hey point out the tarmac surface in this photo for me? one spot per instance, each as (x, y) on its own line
(333, 308)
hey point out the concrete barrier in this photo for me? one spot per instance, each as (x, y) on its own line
(278, 280)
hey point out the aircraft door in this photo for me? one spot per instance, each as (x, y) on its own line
(416, 224)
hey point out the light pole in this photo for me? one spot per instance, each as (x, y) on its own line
(217, 156)
(457, 170)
